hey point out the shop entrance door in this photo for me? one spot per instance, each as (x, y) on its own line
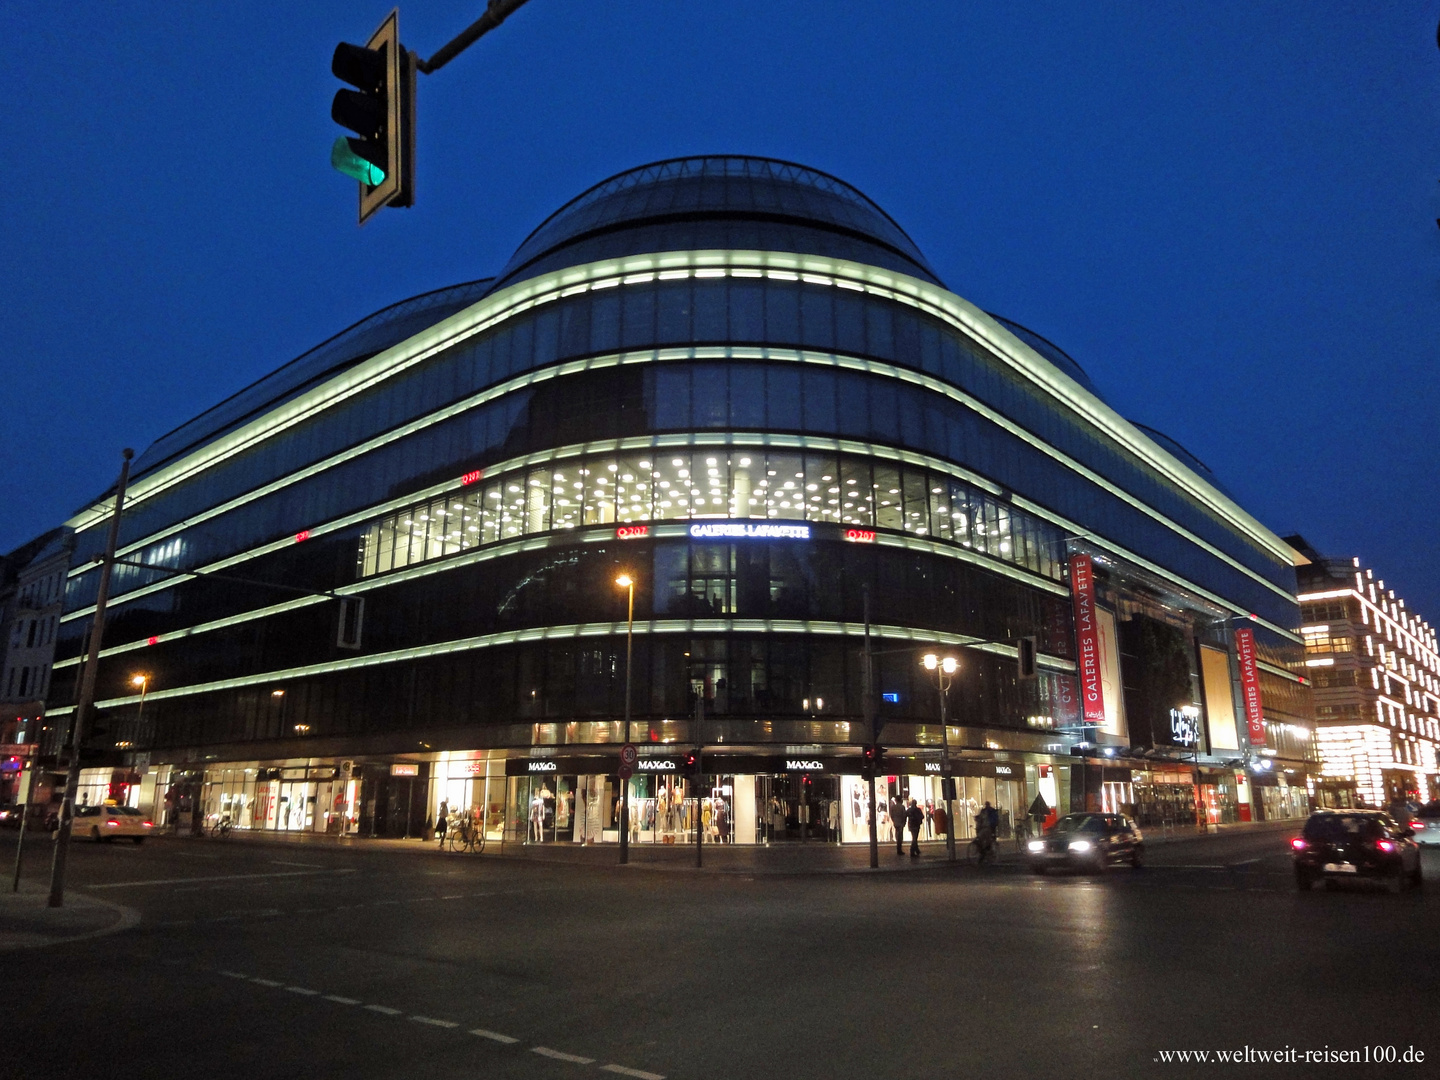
(791, 810)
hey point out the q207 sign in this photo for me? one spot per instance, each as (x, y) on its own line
(1087, 639)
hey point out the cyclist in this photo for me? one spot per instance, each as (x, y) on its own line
(987, 821)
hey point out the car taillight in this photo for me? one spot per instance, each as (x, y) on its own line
(112, 822)
(1385, 845)
(149, 824)
(1418, 826)
(1298, 844)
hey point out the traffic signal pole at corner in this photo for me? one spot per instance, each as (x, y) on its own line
(870, 715)
(86, 699)
(380, 110)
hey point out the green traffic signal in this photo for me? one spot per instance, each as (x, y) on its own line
(343, 159)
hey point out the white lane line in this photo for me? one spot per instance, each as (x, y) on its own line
(433, 1022)
(454, 896)
(234, 975)
(560, 1055)
(267, 982)
(307, 865)
(217, 877)
(303, 990)
(342, 1000)
(384, 1010)
(1188, 866)
(1249, 862)
(623, 1071)
(494, 1036)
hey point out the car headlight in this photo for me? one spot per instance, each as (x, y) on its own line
(1036, 845)
(1080, 845)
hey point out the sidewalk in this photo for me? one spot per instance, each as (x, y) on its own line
(26, 922)
(787, 858)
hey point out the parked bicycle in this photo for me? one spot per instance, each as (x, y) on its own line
(221, 829)
(464, 832)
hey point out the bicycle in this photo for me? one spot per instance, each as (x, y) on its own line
(464, 833)
(981, 850)
(221, 829)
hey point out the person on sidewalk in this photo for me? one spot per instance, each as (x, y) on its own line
(915, 817)
(897, 821)
(442, 820)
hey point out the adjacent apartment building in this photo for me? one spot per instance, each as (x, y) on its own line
(1376, 676)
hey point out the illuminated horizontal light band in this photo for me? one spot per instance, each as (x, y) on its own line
(539, 542)
(745, 530)
(592, 630)
(727, 352)
(490, 311)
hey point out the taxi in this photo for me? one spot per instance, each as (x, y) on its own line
(108, 822)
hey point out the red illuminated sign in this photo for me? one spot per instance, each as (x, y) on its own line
(860, 536)
(152, 641)
(1250, 684)
(302, 535)
(632, 532)
(471, 477)
(1087, 638)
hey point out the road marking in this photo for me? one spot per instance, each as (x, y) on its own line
(1249, 862)
(493, 1036)
(559, 1055)
(267, 982)
(307, 865)
(454, 896)
(384, 1009)
(342, 1000)
(234, 975)
(433, 1022)
(623, 1071)
(217, 877)
(1188, 866)
(302, 990)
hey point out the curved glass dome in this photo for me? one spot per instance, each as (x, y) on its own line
(1049, 350)
(372, 334)
(717, 202)
(1180, 452)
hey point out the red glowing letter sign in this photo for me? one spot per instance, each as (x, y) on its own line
(1087, 638)
(632, 532)
(471, 477)
(860, 536)
(152, 641)
(1250, 684)
(302, 535)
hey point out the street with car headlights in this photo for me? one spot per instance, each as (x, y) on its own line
(254, 959)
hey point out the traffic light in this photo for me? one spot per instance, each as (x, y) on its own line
(352, 622)
(690, 764)
(381, 112)
(1025, 657)
(871, 759)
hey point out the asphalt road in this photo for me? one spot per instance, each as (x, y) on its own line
(256, 960)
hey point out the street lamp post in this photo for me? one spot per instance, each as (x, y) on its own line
(626, 582)
(142, 681)
(944, 668)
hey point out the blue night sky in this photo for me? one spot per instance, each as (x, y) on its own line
(1225, 211)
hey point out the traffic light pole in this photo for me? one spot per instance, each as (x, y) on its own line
(496, 12)
(87, 693)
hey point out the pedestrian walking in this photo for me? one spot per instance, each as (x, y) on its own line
(915, 818)
(442, 820)
(897, 821)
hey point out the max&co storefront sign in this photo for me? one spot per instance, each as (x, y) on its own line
(1087, 638)
(1250, 684)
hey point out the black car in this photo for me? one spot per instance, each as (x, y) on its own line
(1087, 841)
(1351, 845)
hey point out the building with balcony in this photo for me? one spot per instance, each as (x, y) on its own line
(738, 382)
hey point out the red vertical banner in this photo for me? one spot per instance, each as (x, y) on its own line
(1250, 685)
(1087, 639)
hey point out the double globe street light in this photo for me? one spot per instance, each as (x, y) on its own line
(944, 668)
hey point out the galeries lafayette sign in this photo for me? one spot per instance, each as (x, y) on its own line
(1087, 638)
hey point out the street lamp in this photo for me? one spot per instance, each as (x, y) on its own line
(944, 668)
(626, 582)
(142, 681)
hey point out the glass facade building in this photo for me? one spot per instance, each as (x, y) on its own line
(738, 381)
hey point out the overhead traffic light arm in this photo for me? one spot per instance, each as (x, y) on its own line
(496, 12)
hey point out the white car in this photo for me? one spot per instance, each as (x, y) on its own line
(105, 823)
(1426, 823)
